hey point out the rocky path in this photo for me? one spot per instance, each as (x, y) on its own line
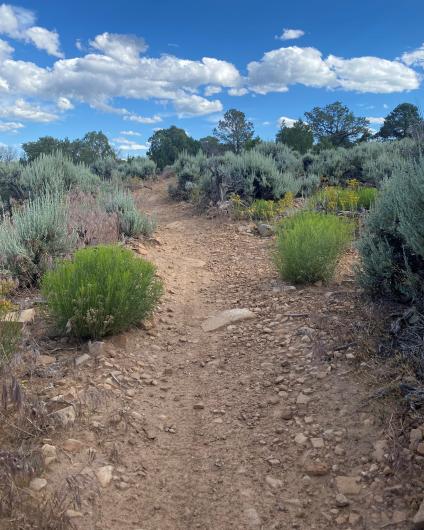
(260, 424)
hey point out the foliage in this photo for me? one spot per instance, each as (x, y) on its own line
(132, 223)
(261, 209)
(93, 146)
(352, 198)
(34, 235)
(299, 136)
(336, 125)
(400, 122)
(285, 158)
(309, 245)
(106, 168)
(10, 331)
(167, 144)
(234, 130)
(188, 170)
(392, 244)
(103, 290)
(211, 146)
(139, 167)
(56, 173)
(10, 190)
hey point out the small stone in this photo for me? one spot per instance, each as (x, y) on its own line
(317, 443)
(380, 449)
(283, 413)
(399, 517)
(419, 518)
(104, 476)
(65, 416)
(26, 316)
(302, 399)
(199, 406)
(96, 348)
(73, 446)
(37, 484)
(341, 500)
(252, 518)
(300, 439)
(73, 514)
(420, 448)
(354, 518)
(275, 483)
(45, 360)
(49, 453)
(82, 359)
(316, 469)
(227, 317)
(348, 485)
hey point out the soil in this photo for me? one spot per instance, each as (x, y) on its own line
(262, 424)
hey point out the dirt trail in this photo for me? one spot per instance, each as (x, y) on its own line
(251, 426)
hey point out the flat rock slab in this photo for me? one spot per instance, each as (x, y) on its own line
(227, 317)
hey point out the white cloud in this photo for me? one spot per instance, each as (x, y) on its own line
(211, 90)
(286, 66)
(238, 91)
(193, 105)
(266, 123)
(130, 133)
(373, 74)
(288, 122)
(414, 58)
(125, 48)
(377, 120)
(21, 109)
(130, 145)
(10, 126)
(17, 23)
(278, 69)
(64, 104)
(143, 119)
(290, 34)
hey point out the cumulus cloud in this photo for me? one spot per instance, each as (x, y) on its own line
(238, 91)
(193, 105)
(10, 126)
(212, 90)
(143, 119)
(64, 104)
(373, 74)
(130, 133)
(286, 66)
(21, 109)
(18, 23)
(288, 122)
(290, 34)
(414, 58)
(278, 69)
(125, 144)
(125, 48)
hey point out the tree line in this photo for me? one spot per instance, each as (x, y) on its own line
(331, 126)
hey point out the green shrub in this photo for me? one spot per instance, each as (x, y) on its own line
(132, 223)
(338, 199)
(35, 234)
(106, 168)
(10, 331)
(392, 243)
(101, 291)
(309, 245)
(139, 167)
(10, 174)
(56, 174)
(188, 169)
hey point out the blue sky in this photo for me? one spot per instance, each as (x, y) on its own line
(130, 67)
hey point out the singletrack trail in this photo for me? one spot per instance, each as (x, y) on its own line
(260, 424)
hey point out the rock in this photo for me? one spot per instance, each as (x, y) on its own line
(37, 484)
(72, 514)
(415, 437)
(354, 518)
(252, 518)
(380, 449)
(265, 230)
(104, 476)
(25, 316)
(317, 443)
(419, 518)
(65, 416)
(275, 483)
(96, 348)
(82, 359)
(199, 406)
(45, 360)
(420, 448)
(227, 317)
(49, 453)
(73, 446)
(399, 517)
(300, 439)
(348, 485)
(341, 500)
(302, 399)
(316, 469)
(283, 414)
